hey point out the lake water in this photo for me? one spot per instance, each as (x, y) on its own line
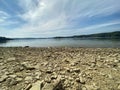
(64, 42)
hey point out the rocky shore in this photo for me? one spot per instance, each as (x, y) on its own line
(25, 68)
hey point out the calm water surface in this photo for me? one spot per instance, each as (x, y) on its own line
(70, 42)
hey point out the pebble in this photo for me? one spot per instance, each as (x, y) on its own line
(77, 70)
(28, 78)
(118, 87)
(19, 79)
(28, 87)
(13, 76)
(11, 59)
(3, 78)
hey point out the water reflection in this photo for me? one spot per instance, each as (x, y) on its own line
(61, 42)
(3, 41)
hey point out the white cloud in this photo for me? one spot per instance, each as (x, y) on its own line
(3, 16)
(47, 17)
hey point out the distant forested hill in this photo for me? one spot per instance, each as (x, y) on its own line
(109, 35)
(4, 38)
(113, 35)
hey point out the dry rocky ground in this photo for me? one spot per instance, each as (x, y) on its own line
(59, 68)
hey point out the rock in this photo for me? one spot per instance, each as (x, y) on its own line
(38, 74)
(27, 66)
(73, 64)
(118, 87)
(77, 79)
(53, 76)
(44, 63)
(28, 78)
(47, 86)
(3, 78)
(1, 57)
(27, 46)
(13, 82)
(66, 60)
(19, 79)
(13, 76)
(28, 87)
(37, 85)
(78, 86)
(110, 76)
(116, 61)
(77, 70)
(48, 79)
(92, 87)
(49, 70)
(82, 80)
(93, 60)
(11, 59)
(92, 65)
(62, 72)
(84, 88)
(118, 65)
(17, 69)
(56, 85)
(69, 70)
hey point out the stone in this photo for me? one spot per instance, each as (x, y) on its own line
(110, 76)
(82, 80)
(56, 85)
(44, 63)
(38, 74)
(13, 76)
(77, 79)
(3, 78)
(28, 87)
(69, 70)
(49, 70)
(37, 85)
(19, 79)
(28, 78)
(118, 87)
(84, 88)
(13, 82)
(77, 70)
(48, 79)
(47, 87)
(73, 64)
(53, 76)
(11, 59)
(28, 66)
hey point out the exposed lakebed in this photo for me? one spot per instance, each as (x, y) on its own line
(59, 68)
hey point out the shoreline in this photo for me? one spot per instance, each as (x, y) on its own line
(59, 68)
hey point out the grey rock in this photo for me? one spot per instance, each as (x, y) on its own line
(49, 70)
(28, 78)
(13, 76)
(77, 70)
(13, 82)
(28, 66)
(18, 79)
(37, 85)
(28, 87)
(56, 85)
(11, 59)
(53, 76)
(3, 78)
(48, 79)
(118, 87)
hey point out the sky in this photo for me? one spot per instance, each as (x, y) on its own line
(50, 18)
